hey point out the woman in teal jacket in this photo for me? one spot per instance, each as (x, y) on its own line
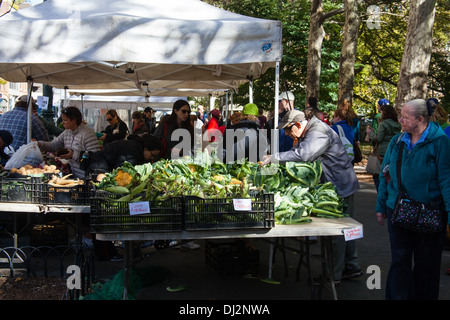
(425, 175)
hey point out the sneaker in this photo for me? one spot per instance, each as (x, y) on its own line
(116, 258)
(173, 243)
(190, 245)
(352, 274)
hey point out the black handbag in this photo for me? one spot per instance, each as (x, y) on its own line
(414, 215)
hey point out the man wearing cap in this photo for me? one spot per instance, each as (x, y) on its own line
(317, 141)
(285, 104)
(15, 121)
(5, 140)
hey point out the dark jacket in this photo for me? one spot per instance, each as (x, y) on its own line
(164, 132)
(118, 131)
(248, 142)
(113, 155)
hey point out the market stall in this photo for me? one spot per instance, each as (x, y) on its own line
(203, 198)
(112, 44)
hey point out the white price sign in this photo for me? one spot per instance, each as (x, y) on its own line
(242, 204)
(353, 233)
(141, 207)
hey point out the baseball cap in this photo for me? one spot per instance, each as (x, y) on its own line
(285, 95)
(291, 117)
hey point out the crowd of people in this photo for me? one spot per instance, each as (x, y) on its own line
(304, 134)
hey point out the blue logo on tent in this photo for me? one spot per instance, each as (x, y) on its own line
(267, 47)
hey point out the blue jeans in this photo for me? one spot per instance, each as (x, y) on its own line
(415, 264)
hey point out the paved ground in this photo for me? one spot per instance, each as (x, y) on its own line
(188, 267)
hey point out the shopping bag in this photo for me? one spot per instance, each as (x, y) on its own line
(26, 154)
(373, 165)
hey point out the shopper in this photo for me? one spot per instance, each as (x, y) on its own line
(76, 138)
(116, 130)
(317, 141)
(439, 115)
(425, 175)
(139, 125)
(387, 128)
(348, 111)
(15, 121)
(285, 104)
(178, 119)
(150, 120)
(248, 141)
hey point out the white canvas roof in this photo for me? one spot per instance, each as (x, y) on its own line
(82, 42)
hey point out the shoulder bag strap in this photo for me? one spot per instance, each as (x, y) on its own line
(399, 166)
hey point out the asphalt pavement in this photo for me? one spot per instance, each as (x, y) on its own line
(198, 281)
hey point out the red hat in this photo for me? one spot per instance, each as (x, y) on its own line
(215, 113)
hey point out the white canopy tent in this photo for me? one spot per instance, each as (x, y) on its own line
(69, 42)
(83, 42)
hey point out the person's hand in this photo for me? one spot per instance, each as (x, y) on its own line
(103, 137)
(67, 155)
(381, 217)
(266, 160)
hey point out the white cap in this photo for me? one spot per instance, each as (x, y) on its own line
(285, 95)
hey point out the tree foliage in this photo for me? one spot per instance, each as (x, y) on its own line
(378, 58)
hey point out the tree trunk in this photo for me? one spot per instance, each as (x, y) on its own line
(316, 35)
(417, 52)
(348, 52)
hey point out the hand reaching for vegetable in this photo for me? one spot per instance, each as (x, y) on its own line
(67, 155)
(266, 160)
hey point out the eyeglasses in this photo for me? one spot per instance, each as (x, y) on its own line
(109, 119)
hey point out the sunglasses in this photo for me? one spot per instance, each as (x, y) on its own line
(288, 129)
(109, 119)
(184, 111)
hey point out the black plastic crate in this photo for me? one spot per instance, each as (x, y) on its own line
(207, 214)
(110, 216)
(78, 195)
(21, 189)
(228, 258)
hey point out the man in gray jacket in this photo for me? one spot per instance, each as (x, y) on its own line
(315, 140)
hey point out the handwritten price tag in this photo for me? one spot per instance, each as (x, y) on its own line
(141, 207)
(353, 233)
(242, 204)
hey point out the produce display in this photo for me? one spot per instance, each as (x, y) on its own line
(297, 187)
(30, 170)
(298, 190)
